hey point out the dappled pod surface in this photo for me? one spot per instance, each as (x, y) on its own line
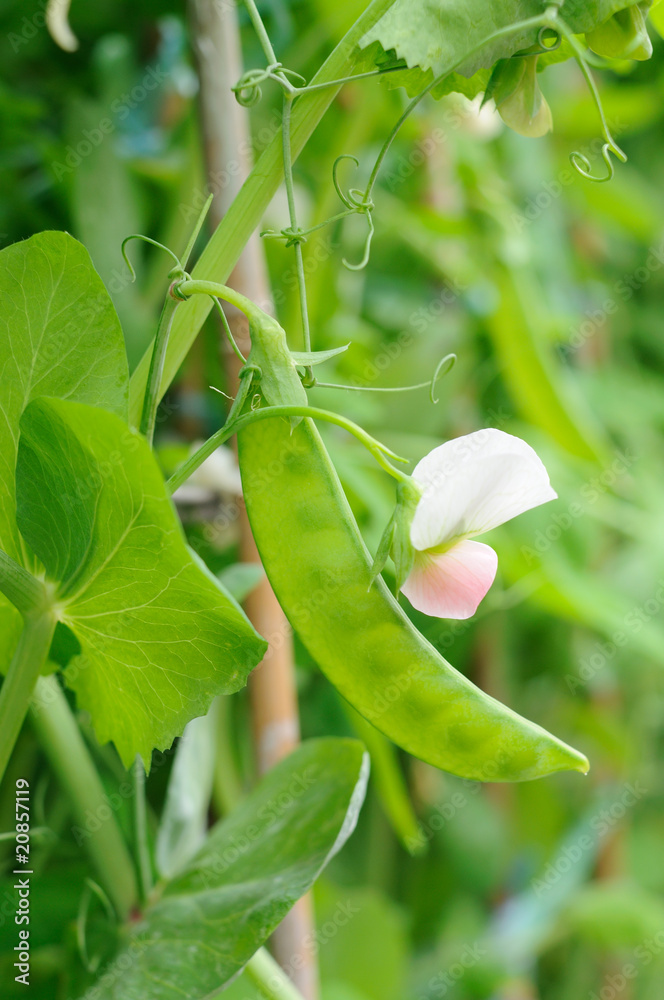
(358, 634)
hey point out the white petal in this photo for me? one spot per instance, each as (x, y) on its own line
(474, 483)
(451, 585)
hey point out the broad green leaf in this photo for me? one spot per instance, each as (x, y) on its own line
(59, 336)
(254, 866)
(159, 636)
(435, 37)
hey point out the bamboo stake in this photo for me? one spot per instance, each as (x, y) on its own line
(228, 155)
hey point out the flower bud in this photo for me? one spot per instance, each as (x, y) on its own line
(403, 553)
(518, 98)
(623, 36)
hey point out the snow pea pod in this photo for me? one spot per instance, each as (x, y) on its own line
(359, 636)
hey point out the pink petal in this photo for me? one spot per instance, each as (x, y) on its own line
(474, 483)
(451, 585)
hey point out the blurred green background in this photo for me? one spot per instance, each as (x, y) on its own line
(550, 291)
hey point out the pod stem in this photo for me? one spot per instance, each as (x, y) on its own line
(192, 286)
(234, 425)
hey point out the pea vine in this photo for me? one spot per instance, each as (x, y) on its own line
(99, 585)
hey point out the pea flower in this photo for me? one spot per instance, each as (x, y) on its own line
(461, 489)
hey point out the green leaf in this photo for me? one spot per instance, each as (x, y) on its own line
(159, 637)
(317, 357)
(254, 866)
(59, 336)
(435, 37)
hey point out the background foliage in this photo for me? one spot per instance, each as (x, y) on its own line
(549, 289)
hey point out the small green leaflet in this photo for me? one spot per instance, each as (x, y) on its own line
(432, 36)
(159, 637)
(317, 357)
(254, 866)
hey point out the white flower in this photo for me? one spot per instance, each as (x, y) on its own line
(469, 485)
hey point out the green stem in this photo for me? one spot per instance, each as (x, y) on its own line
(271, 234)
(141, 829)
(155, 374)
(260, 30)
(244, 216)
(312, 88)
(24, 670)
(533, 22)
(269, 977)
(378, 450)
(69, 756)
(192, 286)
(26, 593)
(559, 25)
(292, 212)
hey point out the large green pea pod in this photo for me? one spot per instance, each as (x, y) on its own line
(356, 632)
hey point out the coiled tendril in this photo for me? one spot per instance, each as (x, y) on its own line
(357, 203)
(248, 90)
(579, 160)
